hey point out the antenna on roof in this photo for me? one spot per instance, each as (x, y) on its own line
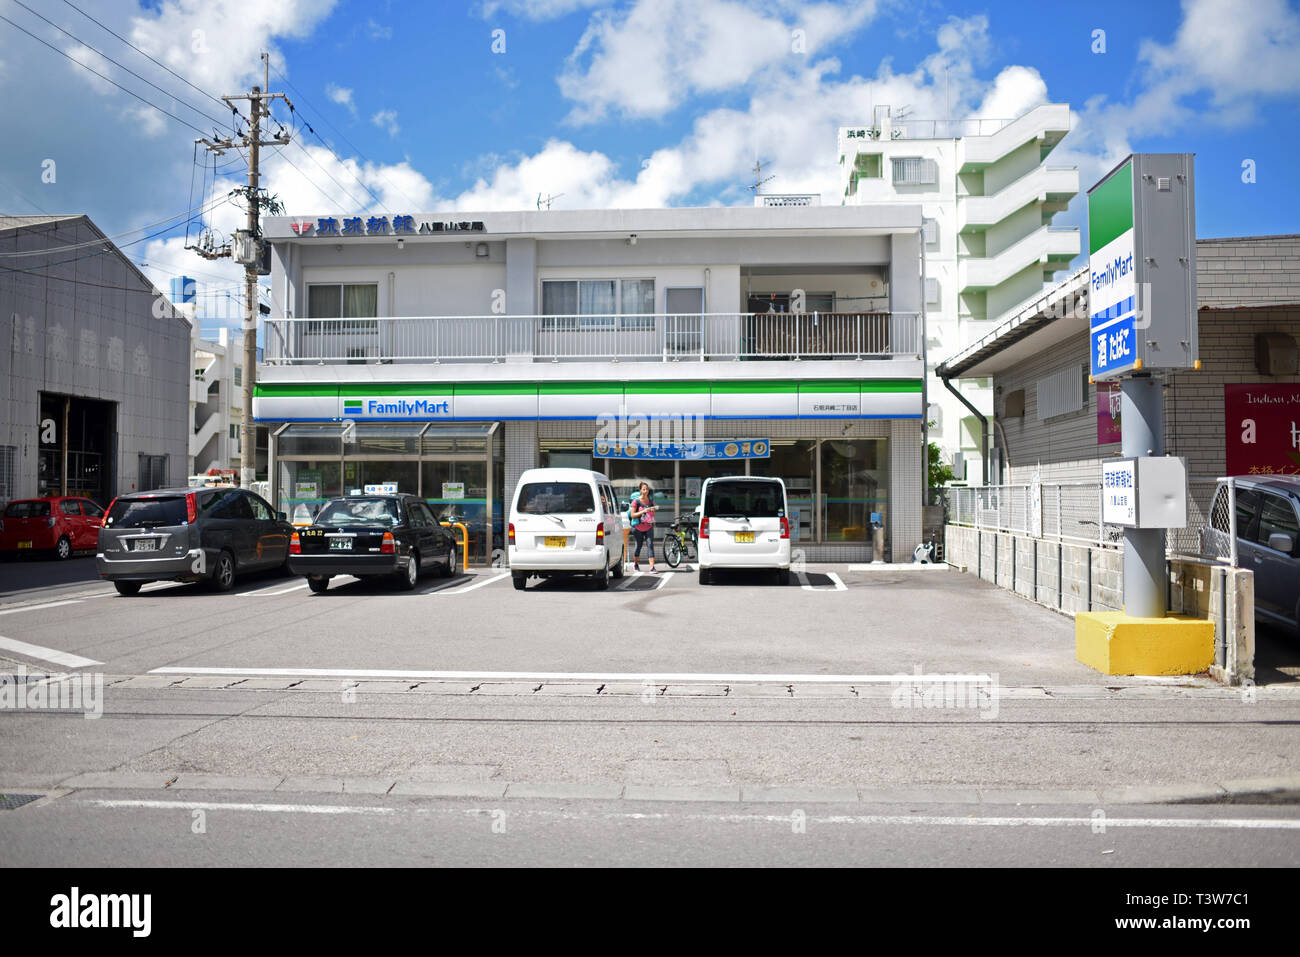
(548, 200)
(759, 180)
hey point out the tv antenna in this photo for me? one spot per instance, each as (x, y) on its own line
(759, 180)
(548, 200)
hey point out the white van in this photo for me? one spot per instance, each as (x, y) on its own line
(564, 522)
(744, 523)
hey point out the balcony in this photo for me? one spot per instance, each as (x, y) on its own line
(1042, 184)
(1052, 247)
(707, 337)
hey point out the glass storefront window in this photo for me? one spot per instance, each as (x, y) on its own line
(300, 439)
(305, 486)
(381, 440)
(406, 474)
(458, 492)
(792, 462)
(855, 483)
(626, 477)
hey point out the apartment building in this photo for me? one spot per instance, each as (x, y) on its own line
(447, 353)
(988, 193)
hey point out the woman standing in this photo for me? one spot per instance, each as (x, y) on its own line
(643, 526)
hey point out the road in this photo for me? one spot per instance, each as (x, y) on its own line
(658, 722)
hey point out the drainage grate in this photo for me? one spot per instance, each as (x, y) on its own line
(9, 802)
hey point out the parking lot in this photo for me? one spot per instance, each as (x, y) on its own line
(831, 620)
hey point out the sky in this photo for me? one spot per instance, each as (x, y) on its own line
(410, 107)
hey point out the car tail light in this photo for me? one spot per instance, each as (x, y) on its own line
(704, 527)
(785, 527)
(110, 510)
(511, 533)
(191, 507)
(600, 533)
(389, 544)
(295, 545)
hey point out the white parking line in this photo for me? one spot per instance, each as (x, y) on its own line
(51, 604)
(835, 580)
(46, 654)
(265, 808)
(264, 593)
(675, 677)
(462, 590)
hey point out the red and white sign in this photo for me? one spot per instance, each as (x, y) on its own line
(1262, 429)
(301, 226)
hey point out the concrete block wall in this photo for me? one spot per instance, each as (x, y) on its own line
(1225, 596)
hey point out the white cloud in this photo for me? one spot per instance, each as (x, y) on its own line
(1016, 90)
(535, 10)
(647, 61)
(378, 31)
(342, 96)
(386, 120)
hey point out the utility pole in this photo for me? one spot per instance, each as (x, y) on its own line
(248, 249)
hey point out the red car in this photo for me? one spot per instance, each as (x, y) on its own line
(60, 525)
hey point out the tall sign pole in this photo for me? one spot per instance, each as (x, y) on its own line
(247, 249)
(1142, 316)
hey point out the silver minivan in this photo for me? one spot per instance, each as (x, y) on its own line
(1268, 541)
(564, 523)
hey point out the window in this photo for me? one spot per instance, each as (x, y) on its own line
(358, 302)
(1060, 393)
(915, 171)
(543, 498)
(90, 509)
(931, 290)
(1247, 509)
(70, 508)
(868, 166)
(261, 511)
(27, 510)
(234, 431)
(233, 505)
(8, 477)
(239, 375)
(929, 233)
(599, 304)
(1277, 517)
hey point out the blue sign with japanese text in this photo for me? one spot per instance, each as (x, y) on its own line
(672, 451)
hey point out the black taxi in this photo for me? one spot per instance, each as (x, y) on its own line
(369, 536)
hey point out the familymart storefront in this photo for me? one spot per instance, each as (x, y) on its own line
(849, 450)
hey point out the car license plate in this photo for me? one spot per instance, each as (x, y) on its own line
(744, 536)
(24, 544)
(340, 544)
(556, 541)
(145, 545)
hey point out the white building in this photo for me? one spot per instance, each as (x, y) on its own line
(988, 195)
(216, 400)
(446, 357)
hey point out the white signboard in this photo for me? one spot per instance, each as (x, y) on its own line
(384, 488)
(1119, 492)
(304, 489)
(453, 489)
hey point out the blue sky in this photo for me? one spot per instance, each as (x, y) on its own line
(651, 103)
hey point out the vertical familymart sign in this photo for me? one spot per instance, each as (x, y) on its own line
(1142, 266)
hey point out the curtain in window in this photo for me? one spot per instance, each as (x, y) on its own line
(597, 303)
(638, 299)
(324, 302)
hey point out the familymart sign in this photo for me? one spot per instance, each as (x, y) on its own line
(1142, 267)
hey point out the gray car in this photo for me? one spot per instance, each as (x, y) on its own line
(189, 535)
(1268, 541)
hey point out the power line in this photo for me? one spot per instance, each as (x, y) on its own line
(121, 66)
(102, 77)
(350, 144)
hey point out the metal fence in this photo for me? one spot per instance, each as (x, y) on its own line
(1071, 512)
(1061, 511)
(663, 338)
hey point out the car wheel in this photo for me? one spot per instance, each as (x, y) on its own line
(128, 588)
(602, 577)
(63, 549)
(451, 563)
(521, 582)
(706, 577)
(407, 579)
(223, 573)
(620, 568)
(318, 583)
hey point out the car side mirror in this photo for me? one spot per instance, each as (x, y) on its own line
(282, 516)
(1281, 542)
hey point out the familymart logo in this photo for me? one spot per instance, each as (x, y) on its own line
(401, 408)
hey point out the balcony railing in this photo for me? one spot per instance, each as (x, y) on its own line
(706, 337)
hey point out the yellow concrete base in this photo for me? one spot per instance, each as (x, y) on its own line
(1115, 644)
